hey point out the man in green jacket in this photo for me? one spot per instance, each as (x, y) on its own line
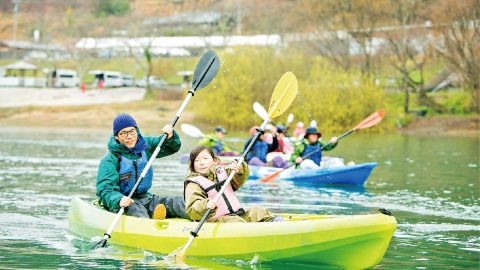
(215, 142)
(120, 168)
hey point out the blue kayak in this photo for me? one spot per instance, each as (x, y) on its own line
(345, 175)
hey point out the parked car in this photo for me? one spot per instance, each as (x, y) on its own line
(127, 80)
(65, 78)
(154, 82)
(104, 78)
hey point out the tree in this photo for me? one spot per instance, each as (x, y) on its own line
(343, 30)
(457, 24)
(139, 44)
(112, 7)
(324, 35)
(361, 18)
(409, 48)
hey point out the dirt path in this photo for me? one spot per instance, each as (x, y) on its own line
(19, 97)
(151, 113)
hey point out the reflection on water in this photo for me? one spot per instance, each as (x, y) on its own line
(430, 184)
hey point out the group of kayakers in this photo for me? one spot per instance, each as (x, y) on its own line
(272, 148)
(129, 152)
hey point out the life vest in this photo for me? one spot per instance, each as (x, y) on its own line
(259, 150)
(217, 147)
(228, 203)
(317, 157)
(130, 171)
(281, 144)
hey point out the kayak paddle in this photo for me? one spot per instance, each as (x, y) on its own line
(370, 121)
(195, 132)
(205, 71)
(192, 131)
(283, 95)
(260, 111)
(289, 120)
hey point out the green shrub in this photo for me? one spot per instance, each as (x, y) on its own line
(336, 99)
(112, 7)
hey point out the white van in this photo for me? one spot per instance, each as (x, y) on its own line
(65, 78)
(104, 78)
(127, 80)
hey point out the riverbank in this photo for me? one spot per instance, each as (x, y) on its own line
(149, 114)
(445, 125)
(154, 111)
(95, 109)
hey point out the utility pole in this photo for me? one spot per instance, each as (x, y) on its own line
(16, 3)
(239, 17)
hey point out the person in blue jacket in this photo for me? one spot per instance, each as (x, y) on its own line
(258, 153)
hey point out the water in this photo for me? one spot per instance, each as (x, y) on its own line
(430, 184)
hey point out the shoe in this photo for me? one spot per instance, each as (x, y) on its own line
(277, 219)
(160, 212)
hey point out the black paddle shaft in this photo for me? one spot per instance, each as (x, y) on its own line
(196, 84)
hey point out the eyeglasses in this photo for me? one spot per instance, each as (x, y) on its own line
(125, 133)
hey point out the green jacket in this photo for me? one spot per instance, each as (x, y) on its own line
(108, 189)
(300, 147)
(217, 145)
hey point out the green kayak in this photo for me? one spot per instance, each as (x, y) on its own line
(356, 241)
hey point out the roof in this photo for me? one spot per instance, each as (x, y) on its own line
(20, 65)
(195, 17)
(26, 45)
(178, 43)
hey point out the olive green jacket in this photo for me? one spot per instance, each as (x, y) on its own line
(196, 198)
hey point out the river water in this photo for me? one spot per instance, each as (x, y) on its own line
(431, 184)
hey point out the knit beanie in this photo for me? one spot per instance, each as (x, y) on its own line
(122, 121)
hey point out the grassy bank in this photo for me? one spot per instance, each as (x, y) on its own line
(155, 112)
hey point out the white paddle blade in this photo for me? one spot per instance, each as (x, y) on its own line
(192, 131)
(289, 118)
(260, 110)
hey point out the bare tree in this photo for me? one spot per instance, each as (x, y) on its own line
(323, 35)
(361, 18)
(139, 44)
(343, 30)
(409, 44)
(458, 25)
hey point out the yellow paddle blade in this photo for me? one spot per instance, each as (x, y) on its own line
(285, 92)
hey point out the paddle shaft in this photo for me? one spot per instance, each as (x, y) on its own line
(194, 233)
(320, 149)
(195, 132)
